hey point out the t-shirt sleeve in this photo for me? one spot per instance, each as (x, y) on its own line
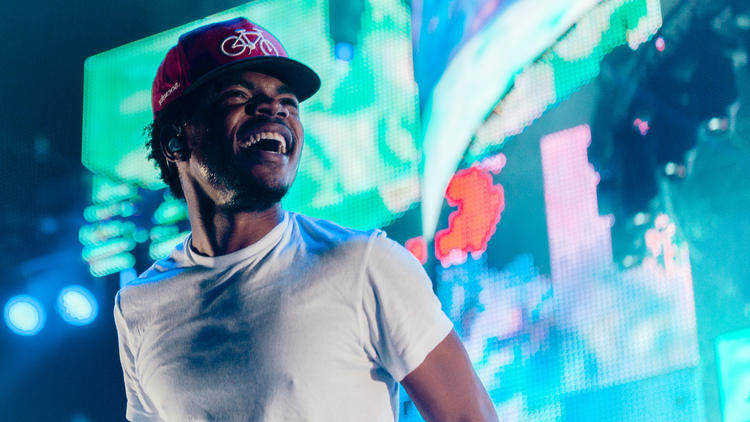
(137, 407)
(402, 317)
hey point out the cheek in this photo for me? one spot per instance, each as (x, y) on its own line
(230, 125)
(299, 131)
(219, 136)
(223, 121)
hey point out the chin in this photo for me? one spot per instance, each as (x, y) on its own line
(235, 190)
(253, 199)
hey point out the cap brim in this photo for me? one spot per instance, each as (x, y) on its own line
(300, 78)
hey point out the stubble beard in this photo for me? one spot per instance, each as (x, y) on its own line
(238, 191)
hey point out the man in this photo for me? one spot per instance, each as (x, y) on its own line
(262, 314)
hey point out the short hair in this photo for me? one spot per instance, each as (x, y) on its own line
(178, 113)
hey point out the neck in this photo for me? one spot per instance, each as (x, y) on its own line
(219, 232)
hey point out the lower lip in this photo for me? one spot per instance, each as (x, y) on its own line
(263, 155)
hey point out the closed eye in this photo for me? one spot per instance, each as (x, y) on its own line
(289, 101)
(234, 97)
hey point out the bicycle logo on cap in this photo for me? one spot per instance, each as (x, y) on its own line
(235, 45)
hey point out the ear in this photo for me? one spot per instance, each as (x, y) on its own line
(172, 143)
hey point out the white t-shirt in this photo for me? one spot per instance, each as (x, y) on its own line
(314, 322)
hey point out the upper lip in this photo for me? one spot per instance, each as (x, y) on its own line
(247, 132)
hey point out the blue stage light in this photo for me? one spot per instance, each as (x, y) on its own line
(344, 51)
(24, 315)
(77, 305)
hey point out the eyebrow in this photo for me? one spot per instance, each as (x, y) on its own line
(282, 89)
(229, 82)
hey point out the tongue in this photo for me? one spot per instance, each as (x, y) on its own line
(266, 145)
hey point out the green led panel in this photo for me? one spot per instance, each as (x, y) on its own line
(360, 164)
(733, 357)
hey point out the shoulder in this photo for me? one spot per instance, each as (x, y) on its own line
(325, 235)
(373, 246)
(162, 269)
(139, 294)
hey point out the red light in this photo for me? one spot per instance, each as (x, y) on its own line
(470, 227)
(418, 247)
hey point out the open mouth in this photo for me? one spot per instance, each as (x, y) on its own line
(266, 141)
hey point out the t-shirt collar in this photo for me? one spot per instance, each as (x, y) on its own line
(257, 249)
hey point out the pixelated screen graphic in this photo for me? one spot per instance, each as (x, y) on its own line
(556, 328)
(586, 340)
(498, 58)
(733, 354)
(563, 69)
(466, 55)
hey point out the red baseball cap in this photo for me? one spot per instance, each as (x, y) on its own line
(205, 52)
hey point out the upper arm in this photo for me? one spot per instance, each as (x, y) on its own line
(401, 318)
(412, 338)
(445, 387)
(137, 406)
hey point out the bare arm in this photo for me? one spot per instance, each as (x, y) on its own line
(445, 387)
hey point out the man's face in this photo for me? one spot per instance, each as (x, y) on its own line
(245, 141)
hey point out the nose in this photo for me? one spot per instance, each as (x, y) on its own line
(268, 106)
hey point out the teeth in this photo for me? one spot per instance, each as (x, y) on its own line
(268, 135)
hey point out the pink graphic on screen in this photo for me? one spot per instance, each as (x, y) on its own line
(638, 321)
(579, 238)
